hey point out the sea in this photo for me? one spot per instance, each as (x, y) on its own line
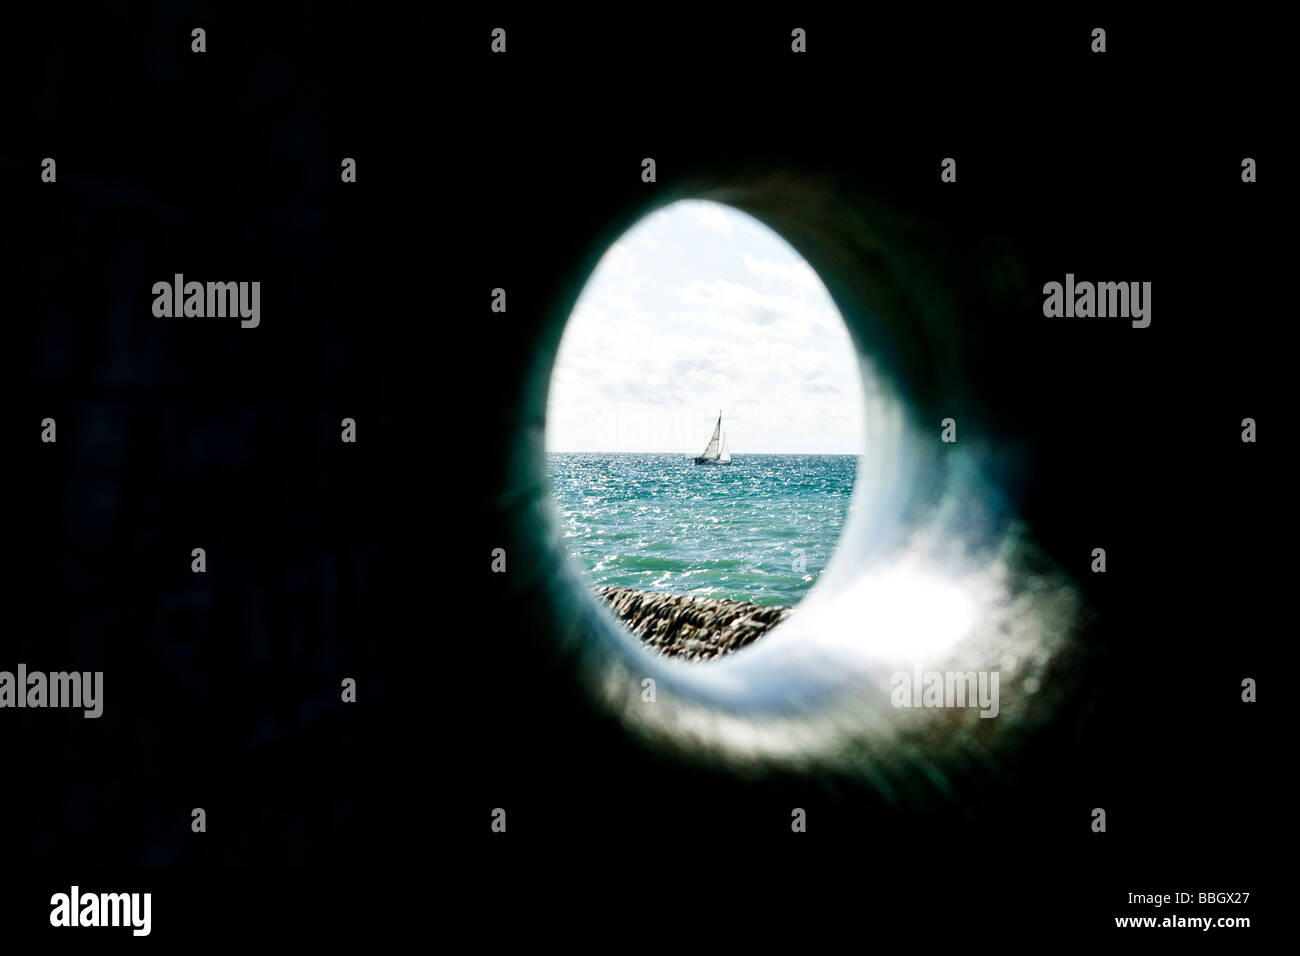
(760, 529)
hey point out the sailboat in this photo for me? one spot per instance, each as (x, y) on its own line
(717, 452)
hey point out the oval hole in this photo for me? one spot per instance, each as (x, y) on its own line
(704, 423)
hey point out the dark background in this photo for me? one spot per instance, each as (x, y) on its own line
(372, 560)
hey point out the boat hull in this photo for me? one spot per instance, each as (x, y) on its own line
(710, 461)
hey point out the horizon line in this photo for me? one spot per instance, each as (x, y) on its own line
(687, 454)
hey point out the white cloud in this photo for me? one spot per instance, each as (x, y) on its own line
(619, 259)
(711, 216)
(700, 307)
(798, 274)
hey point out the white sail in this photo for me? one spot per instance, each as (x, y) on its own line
(712, 450)
(726, 452)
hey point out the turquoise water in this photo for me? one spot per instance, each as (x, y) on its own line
(663, 523)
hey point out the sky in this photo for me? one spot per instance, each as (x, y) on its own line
(699, 308)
